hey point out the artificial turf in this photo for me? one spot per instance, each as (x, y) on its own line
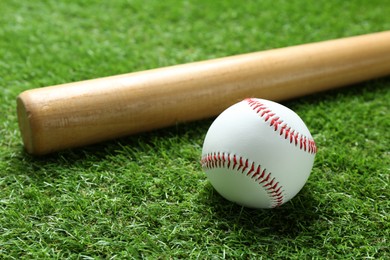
(145, 196)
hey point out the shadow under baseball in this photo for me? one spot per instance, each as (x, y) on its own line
(288, 220)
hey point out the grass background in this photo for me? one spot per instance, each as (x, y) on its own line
(145, 196)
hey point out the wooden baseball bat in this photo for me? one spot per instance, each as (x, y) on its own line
(81, 113)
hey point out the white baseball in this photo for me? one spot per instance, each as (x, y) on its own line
(258, 153)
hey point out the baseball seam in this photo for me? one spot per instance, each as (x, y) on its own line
(252, 170)
(303, 142)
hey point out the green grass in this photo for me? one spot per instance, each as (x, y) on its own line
(146, 195)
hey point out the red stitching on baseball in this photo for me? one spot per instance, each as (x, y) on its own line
(255, 172)
(306, 144)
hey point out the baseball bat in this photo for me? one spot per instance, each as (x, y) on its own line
(81, 113)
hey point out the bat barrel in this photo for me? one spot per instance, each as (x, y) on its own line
(81, 113)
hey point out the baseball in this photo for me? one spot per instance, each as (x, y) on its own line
(258, 153)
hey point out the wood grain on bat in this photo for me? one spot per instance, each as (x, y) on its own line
(75, 114)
